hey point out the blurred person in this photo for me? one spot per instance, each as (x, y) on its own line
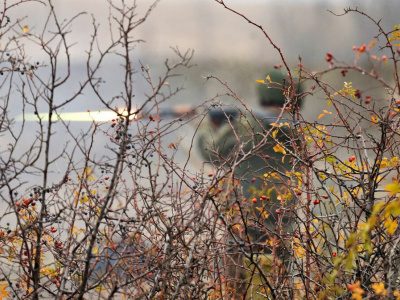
(232, 140)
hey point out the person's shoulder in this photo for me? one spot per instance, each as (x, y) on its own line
(264, 119)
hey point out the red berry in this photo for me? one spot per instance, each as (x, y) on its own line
(334, 254)
(264, 197)
(325, 196)
(254, 200)
(253, 180)
(277, 211)
(316, 202)
(267, 157)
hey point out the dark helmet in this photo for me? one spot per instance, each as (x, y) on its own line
(271, 93)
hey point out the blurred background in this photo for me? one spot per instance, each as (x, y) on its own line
(224, 45)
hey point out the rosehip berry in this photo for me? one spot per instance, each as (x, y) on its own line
(253, 180)
(325, 196)
(254, 200)
(277, 211)
(316, 202)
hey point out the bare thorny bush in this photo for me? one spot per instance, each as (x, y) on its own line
(133, 223)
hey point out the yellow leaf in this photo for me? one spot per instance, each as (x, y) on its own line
(320, 116)
(357, 290)
(279, 148)
(260, 81)
(393, 208)
(268, 78)
(393, 188)
(236, 227)
(95, 250)
(356, 297)
(25, 28)
(3, 292)
(379, 288)
(391, 225)
(274, 133)
(374, 120)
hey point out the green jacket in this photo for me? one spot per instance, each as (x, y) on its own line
(232, 143)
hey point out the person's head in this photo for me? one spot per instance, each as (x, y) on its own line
(272, 92)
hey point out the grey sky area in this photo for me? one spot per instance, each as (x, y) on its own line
(224, 44)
